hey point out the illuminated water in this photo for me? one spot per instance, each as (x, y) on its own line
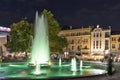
(37, 70)
(73, 64)
(21, 70)
(40, 48)
(81, 64)
(60, 62)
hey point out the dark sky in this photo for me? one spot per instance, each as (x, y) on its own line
(76, 13)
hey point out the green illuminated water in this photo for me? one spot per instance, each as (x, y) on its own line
(15, 70)
(81, 64)
(73, 65)
(60, 62)
(40, 47)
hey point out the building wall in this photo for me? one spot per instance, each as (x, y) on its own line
(92, 40)
(115, 43)
(3, 41)
(100, 40)
(78, 39)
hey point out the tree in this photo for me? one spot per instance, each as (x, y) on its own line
(56, 43)
(20, 36)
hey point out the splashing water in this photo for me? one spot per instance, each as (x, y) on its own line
(81, 64)
(73, 64)
(40, 47)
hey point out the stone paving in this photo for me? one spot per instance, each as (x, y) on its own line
(115, 76)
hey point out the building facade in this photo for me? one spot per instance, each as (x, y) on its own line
(79, 40)
(90, 41)
(115, 42)
(100, 40)
(3, 41)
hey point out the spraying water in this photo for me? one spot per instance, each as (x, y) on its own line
(73, 64)
(40, 46)
(37, 69)
(81, 64)
(60, 62)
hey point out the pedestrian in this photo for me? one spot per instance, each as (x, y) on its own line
(110, 65)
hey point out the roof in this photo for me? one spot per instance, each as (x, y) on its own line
(71, 27)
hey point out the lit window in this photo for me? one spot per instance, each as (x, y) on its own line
(113, 45)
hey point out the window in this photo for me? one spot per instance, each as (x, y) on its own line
(100, 35)
(72, 42)
(78, 40)
(72, 47)
(79, 34)
(85, 47)
(85, 40)
(100, 44)
(106, 44)
(72, 34)
(94, 34)
(113, 45)
(97, 43)
(119, 39)
(107, 34)
(113, 38)
(97, 35)
(78, 48)
(119, 47)
(94, 44)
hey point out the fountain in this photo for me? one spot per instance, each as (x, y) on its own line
(42, 67)
(60, 62)
(40, 47)
(73, 64)
(81, 64)
(37, 69)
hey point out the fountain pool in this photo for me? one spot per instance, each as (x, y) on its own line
(54, 71)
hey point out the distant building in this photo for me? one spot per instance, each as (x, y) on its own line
(4, 32)
(115, 42)
(3, 41)
(100, 40)
(79, 40)
(90, 40)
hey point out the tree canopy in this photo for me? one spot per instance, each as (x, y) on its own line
(20, 36)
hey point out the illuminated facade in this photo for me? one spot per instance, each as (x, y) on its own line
(115, 42)
(3, 41)
(89, 40)
(79, 40)
(4, 31)
(100, 40)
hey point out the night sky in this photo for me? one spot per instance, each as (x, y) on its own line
(75, 13)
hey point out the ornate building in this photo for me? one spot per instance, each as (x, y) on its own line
(100, 40)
